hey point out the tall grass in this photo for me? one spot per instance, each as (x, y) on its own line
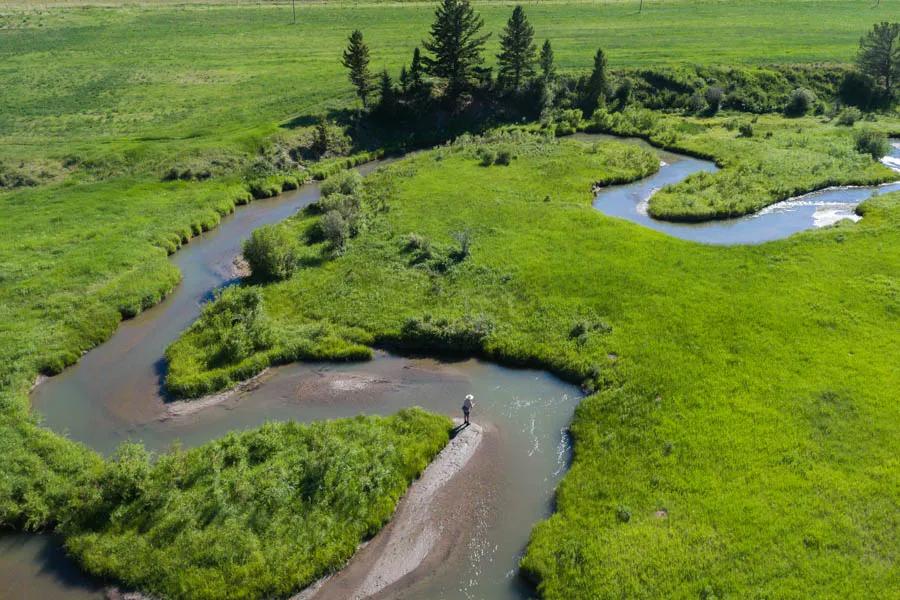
(258, 514)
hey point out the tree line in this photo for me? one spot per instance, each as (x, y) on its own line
(448, 73)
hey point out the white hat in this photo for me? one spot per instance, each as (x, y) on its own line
(470, 397)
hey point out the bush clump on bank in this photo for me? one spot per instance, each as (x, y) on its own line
(271, 253)
(871, 142)
(466, 335)
(258, 514)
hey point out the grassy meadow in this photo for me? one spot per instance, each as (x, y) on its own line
(742, 439)
(754, 408)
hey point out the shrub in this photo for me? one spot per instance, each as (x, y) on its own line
(335, 229)
(859, 90)
(713, 96)
(504, 156)
(328, 140)
(602, 121)
(415, 242)
(622, 95)
(464, 241)
(871, 142)
(696, 103)
(745, 129)
(623, 514)
(347, 182)
(465, 335)
(799, 103)
(271, 253)
(487, 156)
(235, 326)
(849, 116)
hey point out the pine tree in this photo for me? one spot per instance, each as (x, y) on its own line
(356, 59)
(456, 46)
(414, 88)
(515, 63)
(597, 85)
(387, 95)
(404, 80)
(548, 69)
(879, 56)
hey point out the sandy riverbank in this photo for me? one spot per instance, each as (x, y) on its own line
(433, 520)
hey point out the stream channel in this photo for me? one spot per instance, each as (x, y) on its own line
(113, 394)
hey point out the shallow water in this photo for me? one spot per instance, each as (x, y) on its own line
(774, 222)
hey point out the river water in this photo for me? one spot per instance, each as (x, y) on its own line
(113, 394)
(779, 220)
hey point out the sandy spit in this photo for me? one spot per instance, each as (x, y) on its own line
(424, 529)
(183, 408)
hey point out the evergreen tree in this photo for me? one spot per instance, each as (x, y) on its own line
(548, 69)
(515, 63)
(879, 56)
(413, 85)
(387, 95)
(597, 85)
(404, 81)
(456, 46)
(356, 60)
(417, 84)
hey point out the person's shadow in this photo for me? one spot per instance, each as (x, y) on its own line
(457, 429)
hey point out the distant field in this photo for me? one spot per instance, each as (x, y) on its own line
(166, 77)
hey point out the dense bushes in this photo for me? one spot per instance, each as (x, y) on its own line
(849, 116)
(799, 103)
(258, 514)
(465, 335)
(232, 329)
(341, 203)
(746, 89)
(237, 324)
(871, 142)
(858, 90)
(348, 183)
(271, 253)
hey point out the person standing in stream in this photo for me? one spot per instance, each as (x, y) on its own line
(467, 408)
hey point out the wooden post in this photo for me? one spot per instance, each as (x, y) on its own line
(294, 10)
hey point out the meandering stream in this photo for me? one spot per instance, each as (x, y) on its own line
(817, 209)
(113, 393)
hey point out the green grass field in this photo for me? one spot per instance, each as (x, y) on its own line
(100, 102)
(747, 392)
